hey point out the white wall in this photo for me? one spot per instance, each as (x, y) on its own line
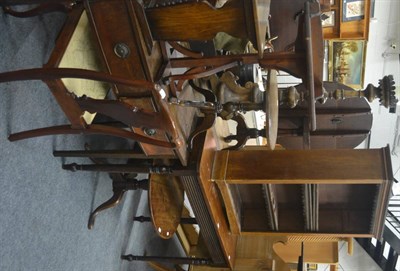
(359, 261)
(384, 30)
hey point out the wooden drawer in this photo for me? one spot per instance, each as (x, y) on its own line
(122, 45)
(116, 26)
(147, 103)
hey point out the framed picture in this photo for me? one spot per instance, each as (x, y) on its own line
(353, 10)
(328, 19)
(346, 62)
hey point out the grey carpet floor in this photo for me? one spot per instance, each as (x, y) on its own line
(44, 209)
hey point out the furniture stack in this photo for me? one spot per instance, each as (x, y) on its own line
(314, 193)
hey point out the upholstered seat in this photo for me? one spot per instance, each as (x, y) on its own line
(82, 52)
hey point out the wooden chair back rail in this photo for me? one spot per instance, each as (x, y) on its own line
(185, 51)
(28, 2)
(94, 129)
(58, 73)
(198, 72)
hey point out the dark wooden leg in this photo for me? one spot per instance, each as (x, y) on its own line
(175, 170)
(114, 168)
(243, 133)
(175, 260)
(113, 201)
(120, 186)
(63, 6)
(109, 154)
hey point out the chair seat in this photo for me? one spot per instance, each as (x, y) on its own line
(82, 52)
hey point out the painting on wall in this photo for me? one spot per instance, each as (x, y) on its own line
(328, 18)
(353, 10)
(346, 62)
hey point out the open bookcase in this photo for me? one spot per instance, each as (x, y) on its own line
(333, 192)
(350, 26)
(330, 208)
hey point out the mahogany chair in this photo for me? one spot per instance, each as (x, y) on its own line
(77, 105)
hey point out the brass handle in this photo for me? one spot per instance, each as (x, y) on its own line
(122, 50)
(336, 120)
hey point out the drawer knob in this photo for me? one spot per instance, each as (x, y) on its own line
(122, 50)
(150, 131)
(336, 120)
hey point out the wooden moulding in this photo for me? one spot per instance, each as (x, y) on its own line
(302, 167)
(230, 201)
(213, 200)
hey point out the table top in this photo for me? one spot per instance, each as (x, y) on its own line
(271, 103)
(166, 199)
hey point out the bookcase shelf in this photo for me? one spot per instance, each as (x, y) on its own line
(322, 192)
(353, 29)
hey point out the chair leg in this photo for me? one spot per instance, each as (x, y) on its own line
(63, 6)
(175, 170)
(243, 133)
(109, 154)
(90, 130)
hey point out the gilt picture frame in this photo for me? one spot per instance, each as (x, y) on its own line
(346, 62)
(353, 10)
(329, 20)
